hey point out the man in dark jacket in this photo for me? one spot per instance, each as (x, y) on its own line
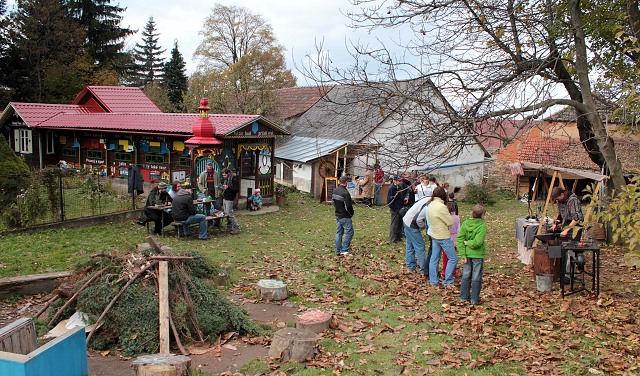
(341, 200)
(231, 187)
(184, 210)
(395, 201)
(161, 218)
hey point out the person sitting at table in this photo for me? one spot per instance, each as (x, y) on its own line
(185, 211)
(175, 187)
(158, 196)
(255, 201)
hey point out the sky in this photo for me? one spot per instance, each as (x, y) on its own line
(297, 25)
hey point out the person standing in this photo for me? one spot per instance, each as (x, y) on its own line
(395, 201)
(439, 221)
(415, 249)
(453, 230)
(367, 186)
(472, 248)
(208, 183)
(230, 187)
(184, 210)
(569, 212)
(378, 179)
(341, 200)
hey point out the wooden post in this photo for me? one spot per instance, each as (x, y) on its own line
(163, 298)
(587, 216)
(546, 205)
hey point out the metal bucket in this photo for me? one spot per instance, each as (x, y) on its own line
(544, 282)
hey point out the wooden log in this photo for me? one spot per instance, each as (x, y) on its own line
(271, 289)
(156, 370)
(65, 305)
(293, 344)
(180, 364)
(163, 305)
(315, 321)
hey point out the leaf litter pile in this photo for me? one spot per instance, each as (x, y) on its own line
(390, 321)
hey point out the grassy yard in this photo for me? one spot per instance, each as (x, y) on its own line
(391, 322)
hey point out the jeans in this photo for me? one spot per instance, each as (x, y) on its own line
(196, 218)
(472, 280)
(395, 227)
(415, 249)
(232, 222)
(344, 226)
(376, 194)
(437, 246)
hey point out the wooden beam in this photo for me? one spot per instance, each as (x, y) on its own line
(163, 298)
(587, 216)
(546, 205)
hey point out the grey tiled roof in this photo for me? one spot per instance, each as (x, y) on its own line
(305, 149)
(347, 112)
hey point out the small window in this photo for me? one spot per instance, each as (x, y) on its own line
(22, 141)
(69, 152)
(122, 157)
(95, 154)
(50, 143)
(185, 162)
(153, 159)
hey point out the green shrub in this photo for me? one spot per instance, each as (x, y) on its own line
(475, 193)
(14, 174)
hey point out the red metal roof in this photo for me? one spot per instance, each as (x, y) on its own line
(35, 113)
(144, 122)
(117, 99)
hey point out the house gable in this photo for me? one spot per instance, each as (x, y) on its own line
(116, 99)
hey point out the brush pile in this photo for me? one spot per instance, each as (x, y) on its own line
(120, 295)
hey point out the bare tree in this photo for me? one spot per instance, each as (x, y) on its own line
(492, 59)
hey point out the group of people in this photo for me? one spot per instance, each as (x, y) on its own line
(215, 192)
(415, 207)
(427, 205)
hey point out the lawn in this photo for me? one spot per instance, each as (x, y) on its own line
(391, 322)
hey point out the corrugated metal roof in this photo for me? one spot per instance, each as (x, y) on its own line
(305, 149)
(150, 122)
(118, 99)
(35, 113)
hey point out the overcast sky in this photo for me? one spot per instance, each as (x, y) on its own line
(297, 25)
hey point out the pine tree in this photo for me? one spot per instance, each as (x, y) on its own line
(104, 36)
(148, 63)
(175, 78)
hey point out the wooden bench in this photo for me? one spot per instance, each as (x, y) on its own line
(21, 356)
(178, 225)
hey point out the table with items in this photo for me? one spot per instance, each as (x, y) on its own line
(214, 214)
(526, 230)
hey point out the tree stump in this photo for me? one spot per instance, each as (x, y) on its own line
(162, 364)
(314, 320)
(293, 344)
(271, 289)
(156, 370)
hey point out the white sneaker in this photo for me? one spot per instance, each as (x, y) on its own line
(344, 253)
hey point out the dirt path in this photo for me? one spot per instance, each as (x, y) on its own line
(227, 358)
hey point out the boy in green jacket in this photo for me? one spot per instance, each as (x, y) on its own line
(472, 249)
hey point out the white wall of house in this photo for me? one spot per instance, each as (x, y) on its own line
(302, 173)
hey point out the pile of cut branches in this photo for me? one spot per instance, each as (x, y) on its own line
(119, 293)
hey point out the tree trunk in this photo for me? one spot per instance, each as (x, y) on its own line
(270, 289)
(178, 364)
(605, 143)
(314, 320)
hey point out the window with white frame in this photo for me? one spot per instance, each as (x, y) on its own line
(22, 141)
(50, 143)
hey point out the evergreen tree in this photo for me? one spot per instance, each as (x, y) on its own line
(175, 78)
(44, 43)
(148, 63)
(101, 23)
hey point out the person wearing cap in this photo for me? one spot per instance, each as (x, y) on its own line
(395, 201)
(158, 196)
(255, 200)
